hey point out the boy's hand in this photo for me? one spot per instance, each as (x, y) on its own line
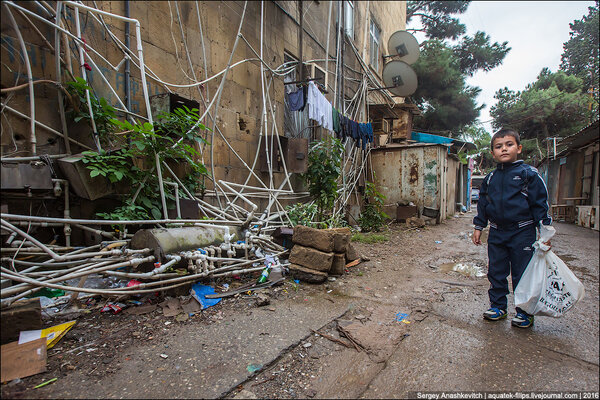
(476, 237)
(548, 244)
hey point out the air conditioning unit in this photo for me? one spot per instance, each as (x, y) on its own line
(313, 71)
(381, 126)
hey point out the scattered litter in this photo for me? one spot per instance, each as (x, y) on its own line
(45, 383)
(133, 282)
(331, 278)
(190, 306)
(182, 317)
(164, 356)
(171, 307)
(402, 317)
(52, 334)
(330, 290)
(262, 300)
(91, 349)
(141, 309)
(438, 241)
(21, 360)
(114, 307)
(297, 281)
(199, 291)
(168, 323)
(353, 263)
(463, 268)
(254, 367)
(48, 292)
(307, 345)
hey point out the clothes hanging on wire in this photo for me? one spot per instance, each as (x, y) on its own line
(337, 128)
(319, 108)
(296, 100)
(366, 134)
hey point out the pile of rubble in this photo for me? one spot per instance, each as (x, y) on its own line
(318, 253)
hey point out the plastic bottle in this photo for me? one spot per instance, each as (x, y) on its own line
(264, 276)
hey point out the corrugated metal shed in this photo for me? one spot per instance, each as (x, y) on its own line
(413, 172)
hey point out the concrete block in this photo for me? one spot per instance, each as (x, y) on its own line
(339, 264)
(307, 275)
(341, 239)
(351, 253)
(24, 315)
(319, 239)
(311, 258)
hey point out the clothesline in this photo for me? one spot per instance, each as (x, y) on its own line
(327, 116)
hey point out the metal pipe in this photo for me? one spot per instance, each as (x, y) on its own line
(32, 239)
(32, 137)
(84, 76)
(127, 62)
(67, 211)
(61, 105)
(115, 222)
(174, 184)
(96, 231)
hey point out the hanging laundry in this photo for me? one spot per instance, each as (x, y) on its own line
(319, 108)
(296, 100)
(337, 128)
(370, 132)
(345, 125)
(355, 132)
(364, 135)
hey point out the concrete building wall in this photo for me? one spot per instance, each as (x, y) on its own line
(166, 50)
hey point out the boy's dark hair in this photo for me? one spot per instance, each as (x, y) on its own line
(506, 132)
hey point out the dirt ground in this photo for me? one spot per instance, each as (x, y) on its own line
(400, 323)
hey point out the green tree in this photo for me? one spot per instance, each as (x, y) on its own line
(580, 56)
(555, 105)
(447, 103)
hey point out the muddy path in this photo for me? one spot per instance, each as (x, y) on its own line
(399, 323)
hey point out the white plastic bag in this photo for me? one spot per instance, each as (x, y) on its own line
(547, 287)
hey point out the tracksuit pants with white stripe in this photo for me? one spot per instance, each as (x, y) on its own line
(509, 252)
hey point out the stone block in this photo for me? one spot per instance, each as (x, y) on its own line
(339, 264)
(351, 253)
(307, 275)
(319, 239)
(311, 258)
(24, 315)
(341, 239)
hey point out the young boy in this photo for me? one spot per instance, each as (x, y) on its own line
(514, 199)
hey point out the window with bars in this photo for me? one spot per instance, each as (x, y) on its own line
(375, 36)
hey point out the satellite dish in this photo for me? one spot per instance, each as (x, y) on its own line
(405, 45)
(400, 78)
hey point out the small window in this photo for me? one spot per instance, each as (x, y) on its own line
(375, 35)
(349, 18)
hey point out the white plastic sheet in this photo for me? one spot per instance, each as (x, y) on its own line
(547, 287)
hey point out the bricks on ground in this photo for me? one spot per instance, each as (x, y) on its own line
(318, 253)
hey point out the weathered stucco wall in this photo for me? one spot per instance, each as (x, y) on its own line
(239, 113)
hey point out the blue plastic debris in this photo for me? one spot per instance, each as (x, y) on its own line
(202, 251)
(400, 317)
(297, 281)
(438, 241)
(254, 367)
(199, 292)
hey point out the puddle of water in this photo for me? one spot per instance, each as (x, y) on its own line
(465, 269)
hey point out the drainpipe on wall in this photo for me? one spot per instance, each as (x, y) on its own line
(127, 64)
(300, 45)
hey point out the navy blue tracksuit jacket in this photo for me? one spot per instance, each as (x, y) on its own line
(514, 200)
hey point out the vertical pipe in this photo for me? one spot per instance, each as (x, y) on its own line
(327, 46)
(33, 138)
(300, 40)
(127, 61)
(84, 76)
(61, 105)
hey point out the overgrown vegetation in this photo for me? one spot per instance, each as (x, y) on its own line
(373, 217)
(172, 137)
(324, 169)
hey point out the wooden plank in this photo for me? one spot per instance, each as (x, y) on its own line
(21, 360)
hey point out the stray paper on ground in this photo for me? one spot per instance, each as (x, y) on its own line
(52, 334)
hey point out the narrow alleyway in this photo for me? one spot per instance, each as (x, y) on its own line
(415, 327)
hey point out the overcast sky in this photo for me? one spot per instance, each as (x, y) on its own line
(535, 30)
